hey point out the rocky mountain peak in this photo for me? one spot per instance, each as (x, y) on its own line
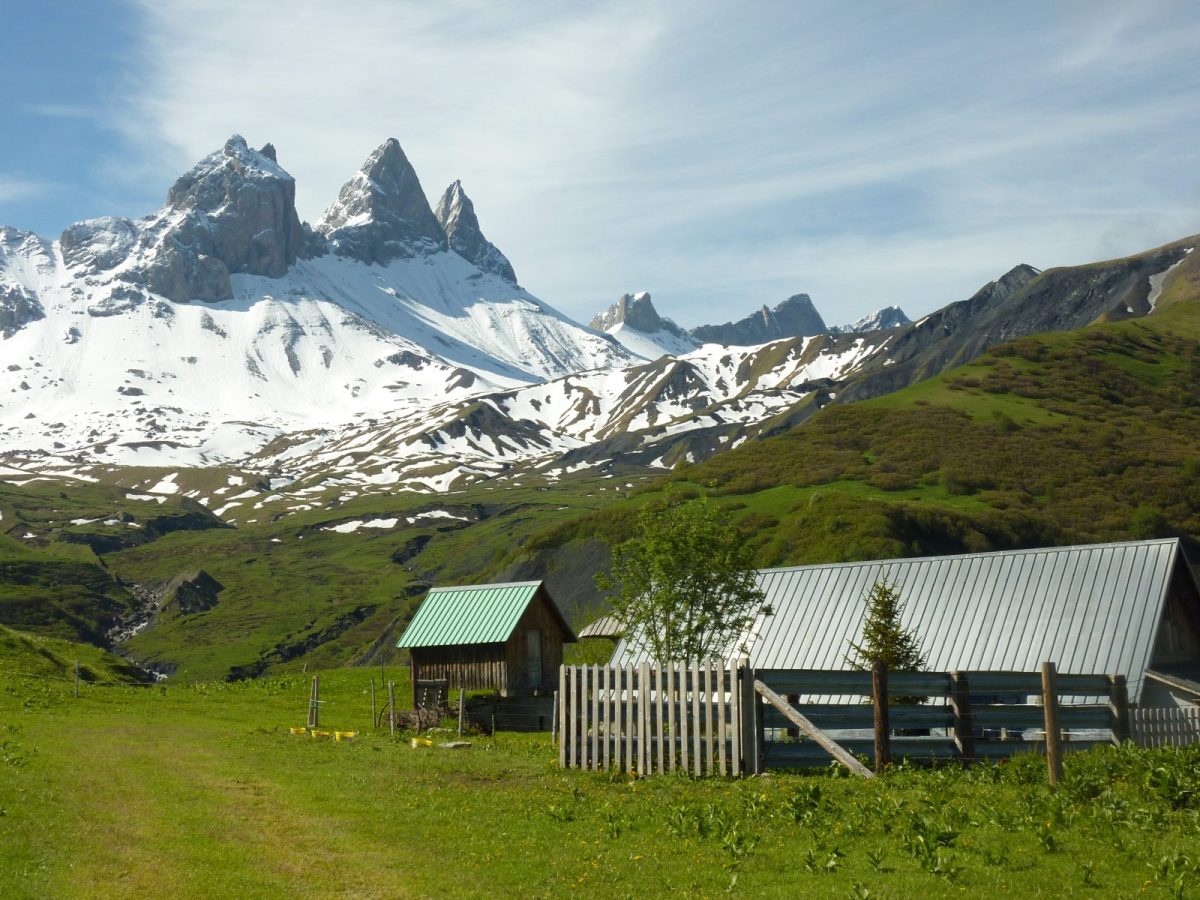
(455, 214)
(381, 214)
(634, 310)
(880, 320)
(794, 317)
(233, 212)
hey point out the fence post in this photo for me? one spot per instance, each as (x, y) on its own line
(749, 732)
(76, 679)
(374, 715)
(314, 697)
(392, 710)
(883, 731)
(1118, 700)
(964, 724)
(462, 706)
(560, 700)
(1053, 731)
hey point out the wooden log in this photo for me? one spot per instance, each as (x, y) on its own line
(827, 743)
(964, 721)
(1118, 699)
(883, 730)
(1053, 731)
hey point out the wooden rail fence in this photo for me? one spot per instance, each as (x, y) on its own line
(729, 721)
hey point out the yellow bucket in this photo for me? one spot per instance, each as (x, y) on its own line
(318, 734)
(344, 735)
(298, 730)
(418, 743)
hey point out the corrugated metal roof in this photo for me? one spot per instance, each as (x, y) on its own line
(477, 614)
(1090, 609)
(605, 626)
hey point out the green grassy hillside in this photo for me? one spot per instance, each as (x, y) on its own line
(1078, 437)
(37, 656)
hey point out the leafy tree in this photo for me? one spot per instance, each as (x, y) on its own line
(884, 639)
(685, 582)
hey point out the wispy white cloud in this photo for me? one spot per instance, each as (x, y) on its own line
(719, 155)
(17, 188)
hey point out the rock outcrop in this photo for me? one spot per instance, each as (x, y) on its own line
(234, 212)
(456, 214)
(18, 307)
(794, 317)
(381, 214)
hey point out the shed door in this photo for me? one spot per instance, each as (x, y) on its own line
(533, 641)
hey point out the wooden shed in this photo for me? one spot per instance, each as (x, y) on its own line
(503, 637)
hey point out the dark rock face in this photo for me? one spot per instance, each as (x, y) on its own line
(18, 307)
(235, 212)
(1022, 302)
(794, 317)
(381, 214)
(456, 214)
(192, 592)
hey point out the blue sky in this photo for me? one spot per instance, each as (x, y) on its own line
(720, 155)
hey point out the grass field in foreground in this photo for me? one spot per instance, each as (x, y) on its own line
(201, 791)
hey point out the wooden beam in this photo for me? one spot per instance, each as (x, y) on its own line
(883, 730)
(1054, 763)
(1118, 698)
(964, 721)
(827, 743)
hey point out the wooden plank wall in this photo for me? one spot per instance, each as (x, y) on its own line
(1166, 726)
(642, 720)
(471, 667)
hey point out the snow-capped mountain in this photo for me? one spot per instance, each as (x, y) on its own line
(638, 327)
(219, 322)
(880, 320)
(389, 346)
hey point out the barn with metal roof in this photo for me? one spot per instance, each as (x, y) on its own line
(1131, 608)
(503, 637)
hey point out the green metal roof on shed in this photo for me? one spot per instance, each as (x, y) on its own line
(473, 614)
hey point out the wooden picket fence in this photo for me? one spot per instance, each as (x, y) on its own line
(1166, 726)
(642, 719)
(730, 721)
